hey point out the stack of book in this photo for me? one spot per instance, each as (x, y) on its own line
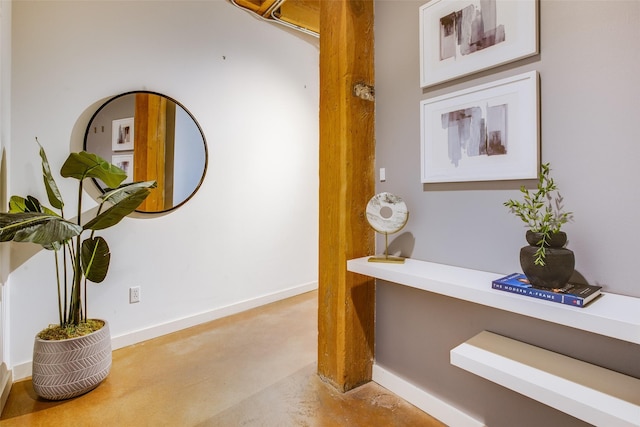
(574, 294)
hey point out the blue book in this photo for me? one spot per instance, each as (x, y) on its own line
(574, 294)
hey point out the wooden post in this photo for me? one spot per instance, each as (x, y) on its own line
(346, 300)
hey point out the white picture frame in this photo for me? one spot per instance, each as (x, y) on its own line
(122, 134)
(503, 115)
(461, 37)
(124, 162)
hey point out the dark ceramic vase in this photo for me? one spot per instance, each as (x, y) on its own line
(559, 261)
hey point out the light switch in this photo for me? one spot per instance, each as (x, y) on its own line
(383, 175)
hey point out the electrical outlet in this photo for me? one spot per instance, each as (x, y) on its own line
(134, 294)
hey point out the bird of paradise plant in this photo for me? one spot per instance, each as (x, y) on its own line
(77, 259)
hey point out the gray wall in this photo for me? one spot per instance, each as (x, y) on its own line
(590, 104)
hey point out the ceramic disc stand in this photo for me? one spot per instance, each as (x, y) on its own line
(387, 214)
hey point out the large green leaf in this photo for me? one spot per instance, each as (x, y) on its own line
(118, 194)
(87, 165)
(95, 259)
(30, 204)
(115, 213)
(40, 228)
(53, 193)
(18, 204)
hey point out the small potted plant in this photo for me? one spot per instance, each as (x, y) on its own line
(74, 356)
(546, 262)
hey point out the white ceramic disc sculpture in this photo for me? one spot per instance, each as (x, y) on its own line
(387, 214)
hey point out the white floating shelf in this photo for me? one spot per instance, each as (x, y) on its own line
(611, 315)
(593, 394)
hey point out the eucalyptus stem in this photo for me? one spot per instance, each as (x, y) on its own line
(541, 211)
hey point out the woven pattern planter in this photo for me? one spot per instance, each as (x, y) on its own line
(68, 368)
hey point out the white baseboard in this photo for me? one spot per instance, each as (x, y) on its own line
(5, 385)
(197, 319)
(427, 402)
(23, 370)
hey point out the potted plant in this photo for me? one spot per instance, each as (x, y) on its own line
(546, 262)
(74, 356)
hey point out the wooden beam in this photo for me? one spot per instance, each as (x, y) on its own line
(346, 300)
(302, 13)
(261, 7)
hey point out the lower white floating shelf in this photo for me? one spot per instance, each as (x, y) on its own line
(593, 394)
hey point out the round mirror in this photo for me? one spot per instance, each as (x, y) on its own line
(151, 137)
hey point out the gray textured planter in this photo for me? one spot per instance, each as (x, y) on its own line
(69, 368)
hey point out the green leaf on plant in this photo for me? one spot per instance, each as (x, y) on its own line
(19, 204)
(121, 193)
(34, 227)
(53, 193)
(87, 165)
(118, 211)
(95, 259)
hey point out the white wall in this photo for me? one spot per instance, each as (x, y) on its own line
(250, 234)
(5, 97)
(590, 104)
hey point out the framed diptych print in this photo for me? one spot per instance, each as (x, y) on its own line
(483, 133)
(460, 37)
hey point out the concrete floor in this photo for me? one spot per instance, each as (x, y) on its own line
(255, 368)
